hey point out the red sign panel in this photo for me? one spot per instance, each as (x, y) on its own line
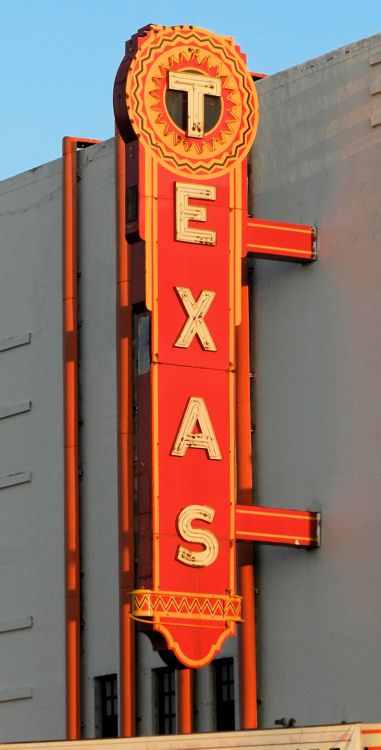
(188, 97)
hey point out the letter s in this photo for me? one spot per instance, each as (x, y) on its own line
(208, 555)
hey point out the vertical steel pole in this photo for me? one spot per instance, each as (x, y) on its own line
(70, 385)
(185, 701)
(125, 452)
(70, 357)
(248, 677)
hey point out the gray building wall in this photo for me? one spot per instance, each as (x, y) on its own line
(315, 405)
(317, 360)
(32, 605)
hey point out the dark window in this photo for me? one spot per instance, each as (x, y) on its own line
(224, 693)
(165, 688)
(107, 699)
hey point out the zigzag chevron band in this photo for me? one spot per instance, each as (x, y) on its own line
(147, 603)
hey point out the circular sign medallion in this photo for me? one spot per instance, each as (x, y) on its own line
(166, 75)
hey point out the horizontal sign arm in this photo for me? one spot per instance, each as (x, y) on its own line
(295, 528)
(276, 240)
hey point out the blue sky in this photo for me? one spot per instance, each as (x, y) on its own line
(58, 59)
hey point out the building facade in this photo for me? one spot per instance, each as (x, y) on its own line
(316, 436)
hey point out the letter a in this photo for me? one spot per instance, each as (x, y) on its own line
(196, 413)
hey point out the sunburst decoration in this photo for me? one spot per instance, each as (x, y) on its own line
(195, 60)
(163, 50)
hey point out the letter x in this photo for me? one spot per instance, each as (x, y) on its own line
(195, 325)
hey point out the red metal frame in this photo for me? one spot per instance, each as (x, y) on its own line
(277, 240)
(294, 528)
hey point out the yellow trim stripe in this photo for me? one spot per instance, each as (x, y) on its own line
(282, 249)
(231, 271)
(139, 612)
(187, 624)
(280, 228)
(269, 514)
(237, 211)
(155, 263)
(293, 537)
(232, 498)
(155, 473)
(153, 272)
(148, 227)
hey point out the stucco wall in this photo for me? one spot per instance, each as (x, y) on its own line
(317, 363)
(32, 605)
